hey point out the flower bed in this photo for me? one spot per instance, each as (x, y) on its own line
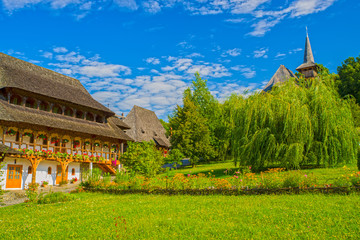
(274, 181)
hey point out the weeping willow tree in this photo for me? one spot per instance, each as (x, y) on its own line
(299, 123)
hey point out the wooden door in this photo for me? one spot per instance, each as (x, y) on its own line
(14, 174)
(58, 174)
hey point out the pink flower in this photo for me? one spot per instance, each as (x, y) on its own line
(236, 176)
(188, 175)
(305, 175)
(250, 167)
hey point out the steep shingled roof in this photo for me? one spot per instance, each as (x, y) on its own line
(16, 73)
(281, 75)
(20, 114)
(146, 126)
(308, 56)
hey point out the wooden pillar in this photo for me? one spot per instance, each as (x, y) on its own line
(37, 104)
(64, 165)
(9, 97)
(3, 135)
(121, 148)
(23, 101)
(34, 164)
(21, 132)
(35, 135)
(48, 140)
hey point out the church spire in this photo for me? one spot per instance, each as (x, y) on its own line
(308, 68)
(308, 55)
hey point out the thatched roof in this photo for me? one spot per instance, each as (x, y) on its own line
(282, 74)
(119, 122)
(21, 114)
(7, 150)
(19, 74)
(145, 126)
(308, 56)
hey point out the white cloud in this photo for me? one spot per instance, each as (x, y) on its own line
(103, 70)
(295, 50)
(153, 60)
(232, 52)
(263, 26)
(129, 4)
(185, 45)
(234, 20)
(297, 8)
(223, 90)
(60, 50)
(247, 72)
(280, 55)
(261, 53)
(193, 55)
(152, 6)
(209, 70)
(305, 7)
(48, 55)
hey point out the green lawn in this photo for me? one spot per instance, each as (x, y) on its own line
(323, 175)
(92, 215)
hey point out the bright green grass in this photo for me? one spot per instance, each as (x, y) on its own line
(186, 217)
(323, 175)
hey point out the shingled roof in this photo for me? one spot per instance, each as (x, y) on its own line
(20, 114)
(7, 150)
(308, 56)
(282, 74)
(16, 73)
(146, 126)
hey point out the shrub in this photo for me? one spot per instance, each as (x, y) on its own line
(175, 156)
(143, 158)
(32, 192)
(55, 198)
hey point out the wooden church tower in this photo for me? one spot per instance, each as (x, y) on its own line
(308, 68)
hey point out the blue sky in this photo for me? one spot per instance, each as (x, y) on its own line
(145, 53)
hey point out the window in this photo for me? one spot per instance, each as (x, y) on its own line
(49, 170)
(57, 109)
(29, 170)
(99, 119)
(79, 114)
(73, 171)
(69, 112)
(89, 117)
(30, 103)
(44, 106)
(15, 99)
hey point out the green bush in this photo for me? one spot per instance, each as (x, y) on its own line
(55, 197)
(143, 158)
(175, 156)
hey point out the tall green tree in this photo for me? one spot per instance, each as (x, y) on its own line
(349, 74)
(190, 130)
(299, 123)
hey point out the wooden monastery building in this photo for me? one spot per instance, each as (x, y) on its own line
(58, 126)
(308, 68)
(145, 126)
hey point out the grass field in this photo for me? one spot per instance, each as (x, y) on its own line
(92, 215)
(323, 175)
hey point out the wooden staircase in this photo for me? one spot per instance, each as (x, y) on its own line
(108, 168)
